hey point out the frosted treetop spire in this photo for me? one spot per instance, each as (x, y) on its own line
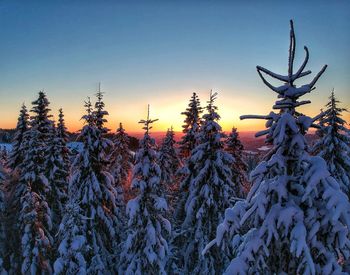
(288, 90)
(211, 100)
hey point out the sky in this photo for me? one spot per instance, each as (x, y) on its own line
(159, 52)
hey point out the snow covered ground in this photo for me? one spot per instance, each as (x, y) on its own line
(264, 148)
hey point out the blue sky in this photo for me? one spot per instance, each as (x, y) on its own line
(159, 52)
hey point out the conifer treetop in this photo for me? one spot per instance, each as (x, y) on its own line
(333, 108)
(191, 126)
(192, 112)
(147, 122)
(40, 108)
(121, 128)
(61, 126)
(61, 118)
(288, 90)
(211, 108)
(194, 99)
(16, 155)
(24, 111)
(334, 143)
(99, 112)
(88, 117)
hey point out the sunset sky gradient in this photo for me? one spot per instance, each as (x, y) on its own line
(160, 52)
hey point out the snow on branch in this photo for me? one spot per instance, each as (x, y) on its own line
(262, 133)
(291, 50)
(272, 74)
(302, 103)
(255, 117)
(313, 82)
(278, 90)
(300, 72)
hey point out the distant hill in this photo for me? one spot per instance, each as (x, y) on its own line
(250, 142)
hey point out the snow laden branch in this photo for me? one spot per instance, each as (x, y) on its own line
(254, 117)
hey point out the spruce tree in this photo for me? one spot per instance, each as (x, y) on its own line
(169, 161)
(33, 213)
(62, 138)
(234, 146)
(188, 142)
(99, 113)
(33, 216)
(210, 189)
(40, 120)
(72, 239)
(92, 186)
(145, 250)
(16, 155)
(296, 219)
(57, 175)
(121, 160)
(191, 126)
(334, 144)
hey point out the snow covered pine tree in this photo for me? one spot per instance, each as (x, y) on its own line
(239, 168)
(15, 160)
(169, 161)
(210, 189)
(34, 222)
(72, 242)
(62, 136)
(191, 126)
(57, 175)
(92, 187)
(145, 250)
(16, 155)
(188, 142)
(71, 235)
(334, 144)
(121, 161)
(296, 219)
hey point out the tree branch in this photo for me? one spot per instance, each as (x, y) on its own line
(302, 67)
(291, 52)
(273, 88)
(313, 82)
(254, 117)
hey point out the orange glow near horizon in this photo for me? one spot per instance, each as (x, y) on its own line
(168, 110)
(159, 54)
